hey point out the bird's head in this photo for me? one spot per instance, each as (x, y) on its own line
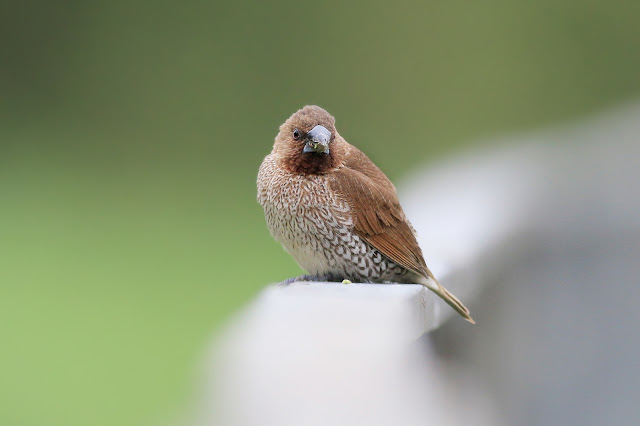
(308, 142)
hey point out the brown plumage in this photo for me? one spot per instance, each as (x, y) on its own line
(337, 213)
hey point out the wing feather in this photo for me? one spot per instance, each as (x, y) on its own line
(379, 218)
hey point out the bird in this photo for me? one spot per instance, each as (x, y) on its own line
(336, 213)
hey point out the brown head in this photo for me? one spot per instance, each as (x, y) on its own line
(308, 142)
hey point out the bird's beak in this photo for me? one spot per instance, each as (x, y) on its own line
(318, 140)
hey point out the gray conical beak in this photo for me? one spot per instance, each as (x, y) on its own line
(318, 140)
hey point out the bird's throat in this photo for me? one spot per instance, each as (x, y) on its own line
(310, 163)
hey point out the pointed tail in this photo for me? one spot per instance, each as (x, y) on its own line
(432, 284)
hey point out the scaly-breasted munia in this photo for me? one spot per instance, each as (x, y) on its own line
(335, 212)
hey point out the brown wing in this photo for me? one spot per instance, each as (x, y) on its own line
(379, 218)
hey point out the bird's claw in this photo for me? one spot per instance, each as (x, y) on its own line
(312, 278)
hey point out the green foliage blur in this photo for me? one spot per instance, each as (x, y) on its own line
(131, 134)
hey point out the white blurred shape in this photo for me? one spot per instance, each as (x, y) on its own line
(332, 354)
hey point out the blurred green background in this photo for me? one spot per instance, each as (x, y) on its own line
(131, 134)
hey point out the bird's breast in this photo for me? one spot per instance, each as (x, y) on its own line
(304, 215)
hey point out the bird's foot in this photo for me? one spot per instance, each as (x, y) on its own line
(303, 278)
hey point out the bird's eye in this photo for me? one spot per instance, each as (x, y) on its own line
(296, 134)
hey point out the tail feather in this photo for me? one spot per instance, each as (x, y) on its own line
(432, 284)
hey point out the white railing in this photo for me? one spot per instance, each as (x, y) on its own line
(350, 354)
